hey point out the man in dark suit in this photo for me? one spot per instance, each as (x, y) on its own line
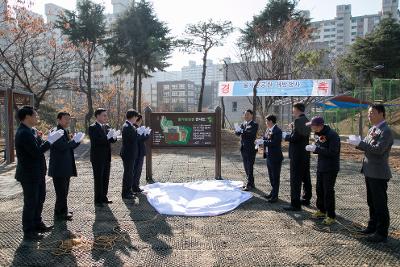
(129, 152)
(272, 142)
(143, 136)
(376, 146)
(299, 159)
(62, 165)
(31, 171)
(248, 133)
(327, 147)
(101, 137)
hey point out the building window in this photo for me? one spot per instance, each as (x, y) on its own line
(181, 86)
(166, 94)
(182, 93)
(327, 30)
(353, 33)
(166, 86)
(340, 25)
(234, 106)
(339, 31)
(190, 93)
(175, 93)
(174, 86)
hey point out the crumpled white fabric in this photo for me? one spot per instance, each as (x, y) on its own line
(201, 198)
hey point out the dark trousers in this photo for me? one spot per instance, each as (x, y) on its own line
(101, 173)
(300, 173)
(248, 162)
(34, 196)
(326, 192)
(274, 173)
(127, 180)
(137, 172)
(379, 219)
(61, 186)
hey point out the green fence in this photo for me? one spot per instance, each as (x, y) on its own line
(346, 121)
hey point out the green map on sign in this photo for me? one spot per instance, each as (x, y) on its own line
(175, 135)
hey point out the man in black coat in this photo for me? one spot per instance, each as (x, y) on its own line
(101, 137)
(62, 165)
(143, 136)
(31, 171)
(327, 147)
(129, 152)
(272, 142)
(299, 159)
(248, 133)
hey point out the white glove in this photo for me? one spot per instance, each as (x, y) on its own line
(284, 134)
(354, 140)
(238, 129)
(259, 142)
(140, 130)
(116, 134)
(147, 131)
(311, 148)
(55, 135)
(110, 134)
(78, 137)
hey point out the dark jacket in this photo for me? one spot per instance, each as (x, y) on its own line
(328, 150)
(130, 147)
(31, 164)
(248, 137)
(376, 146)
(100, 146)
(142, 144)
(298, 139)
(273, 144)
(62, 159)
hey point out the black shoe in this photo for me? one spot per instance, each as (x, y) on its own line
(99, 205)
(376, 238)
(137, 190)
(291, 208)
(273, 200)
(305, 202)
(268, 196)
(42, 228)
(106, 201)
(128, 197)
(32, 236)
(248, 188)
(366, 231)
(150, 181)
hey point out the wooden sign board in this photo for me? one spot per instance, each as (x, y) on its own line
(183, 129)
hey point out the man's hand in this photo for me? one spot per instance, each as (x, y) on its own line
(259, 142)
(311, 148)
(110, 134)
(78, 137)
(354, 140)
(54, 136)
(116, 134)
(284, 134)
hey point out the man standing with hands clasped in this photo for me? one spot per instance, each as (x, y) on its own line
(375, 167)
(299, 159)
(31, 171)
(62, 165)
(101, 137)
(327, 147)
(248, 133)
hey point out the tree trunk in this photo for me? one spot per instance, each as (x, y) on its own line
(135, 81)
(89, 114)
(140, 93)
(223, 112)
(255, 100)
(203, 78)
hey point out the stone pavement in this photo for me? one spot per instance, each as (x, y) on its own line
(255, 234)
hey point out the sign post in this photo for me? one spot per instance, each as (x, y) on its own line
(183, 130)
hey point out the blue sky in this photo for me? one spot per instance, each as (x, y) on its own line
(178, 13)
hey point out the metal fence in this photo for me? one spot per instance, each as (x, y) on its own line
(346, 121)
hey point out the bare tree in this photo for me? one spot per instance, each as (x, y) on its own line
(34, 56)
(201, 37)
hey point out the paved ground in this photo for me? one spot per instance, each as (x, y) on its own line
(255, 234)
